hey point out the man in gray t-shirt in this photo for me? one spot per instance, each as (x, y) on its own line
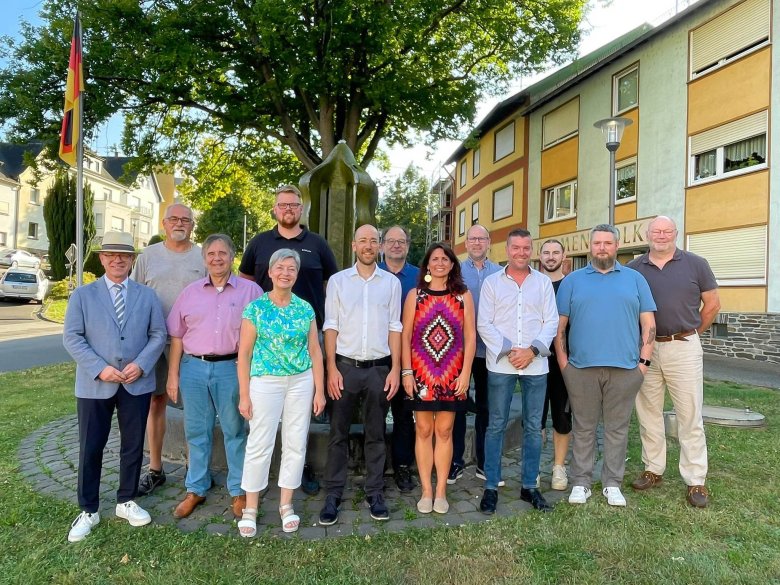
(167, 268)
(686, 294)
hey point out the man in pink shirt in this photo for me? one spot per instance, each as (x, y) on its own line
(204, 324)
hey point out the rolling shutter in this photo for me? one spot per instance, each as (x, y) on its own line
(735, 131)
(561, 122)
(733, 254)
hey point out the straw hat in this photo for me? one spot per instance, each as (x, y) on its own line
(121, 242)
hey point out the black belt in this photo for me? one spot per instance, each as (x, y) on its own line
(216, 358)
(385, 361)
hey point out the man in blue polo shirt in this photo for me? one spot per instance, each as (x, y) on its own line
(395, 248)
(603, 359)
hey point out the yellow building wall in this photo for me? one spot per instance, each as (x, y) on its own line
(629, 144)
(742, 299)
(557, 228)
(731, 92)
(625, 212)
(486, 153)
(559, 162)
(739, 201)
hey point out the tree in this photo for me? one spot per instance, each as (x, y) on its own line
(226, 216)
(59, 213)
(281, 72)
(408, 202)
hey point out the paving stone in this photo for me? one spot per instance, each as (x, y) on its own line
(395, 525)
(340, 530)
(425, 522)
(312, 532)
(465, 505)
(190, 524)
(221, 529)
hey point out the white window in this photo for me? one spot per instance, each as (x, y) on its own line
(502, 202)
(145, 227)
(463, 173)
(97, 166)
(107, 194)
(35, 196)
(625, 180)
(559, 201)
(504, 141)
(461, 222)
(32, 231)
(117, 224)
(475, 162)
(135, 202)
(4, 208)
(731, 149)
(736, 32)
(737, 257)
(625, 90)
(475, 212)
(561, 124)
(3, 238)
(99, 221)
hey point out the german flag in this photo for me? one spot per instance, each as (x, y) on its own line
(71, 122)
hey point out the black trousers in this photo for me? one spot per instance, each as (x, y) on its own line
(366, 384)
(95, 416)
(480, 375)
(403, 430)
(557, 400)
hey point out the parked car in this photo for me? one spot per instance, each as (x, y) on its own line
(24, 283)
(15, 258)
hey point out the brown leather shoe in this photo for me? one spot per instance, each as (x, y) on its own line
(647, 480)
(698, 496)
(188, 504)
(238, 505)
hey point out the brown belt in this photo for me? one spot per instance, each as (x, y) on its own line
(676, 337)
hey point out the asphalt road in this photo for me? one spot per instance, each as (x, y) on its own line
(26, 340)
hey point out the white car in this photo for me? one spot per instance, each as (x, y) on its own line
(15, 258)
(24, 283)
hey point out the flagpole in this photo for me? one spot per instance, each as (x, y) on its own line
(80, 183)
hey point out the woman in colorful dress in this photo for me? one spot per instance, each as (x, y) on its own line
(281, 376)
(438, 342)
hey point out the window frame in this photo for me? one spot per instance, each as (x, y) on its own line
(35, 196)
(463, 173)
(556, 189)
(461, 221)
(33, 231)
(475, 212)
(720, 160)
(511, 187)
(616, 111)
(498, 131)
(622, 165)
(5, 208)
(475, 162)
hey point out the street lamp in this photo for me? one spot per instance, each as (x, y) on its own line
(612, 128)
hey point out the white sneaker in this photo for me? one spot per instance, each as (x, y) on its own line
(481, 475)
(133, 513)
(559, 479)
(614, 496)
(82, 526)
(538, 481)
(579, 494)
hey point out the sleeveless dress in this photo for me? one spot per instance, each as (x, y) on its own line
(437, 350)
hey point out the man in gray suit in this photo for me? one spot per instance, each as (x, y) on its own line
(115, 332)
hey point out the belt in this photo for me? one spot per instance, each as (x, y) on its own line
(385, 361)
(676, 337)
(216, 358)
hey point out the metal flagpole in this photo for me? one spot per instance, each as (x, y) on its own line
(80, 181)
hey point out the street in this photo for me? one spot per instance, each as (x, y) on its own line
(26, 340)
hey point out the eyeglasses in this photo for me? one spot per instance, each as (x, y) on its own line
(118, 255)
(392, 243)
(664, 232)
(291, 206)
(477, 239)
(181, 220)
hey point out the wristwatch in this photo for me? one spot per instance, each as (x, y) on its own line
(535, 350)
(644, 362)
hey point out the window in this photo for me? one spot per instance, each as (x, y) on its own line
(736, 32)
(561, 123)
(475, 212)
(447, 227)
(504, 141)
(475, 162)
(559, 201)
(4, 208)
(3, 238)
(461, 222)
(625, 181)
(117, 224)
(98, 221)
(502, 202)
(463, 173)
(35, 196)
(135, 202)
(732, 149)
(625, 90)
(107, 195)
(32, 231)
(737, 257)
(145, 227)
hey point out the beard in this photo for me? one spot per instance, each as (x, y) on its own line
(551, 268)
(178, 236)
(604, 263)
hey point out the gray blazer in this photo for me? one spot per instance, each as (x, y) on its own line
(93, 338)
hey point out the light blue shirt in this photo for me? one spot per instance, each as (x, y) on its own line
(603, 311)
(112, 291)
(473, 277)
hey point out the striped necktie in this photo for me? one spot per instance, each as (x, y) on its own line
(119, 304)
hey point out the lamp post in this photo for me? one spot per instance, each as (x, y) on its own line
(612, 128)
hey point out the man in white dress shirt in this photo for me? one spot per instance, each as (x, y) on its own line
(363, 352)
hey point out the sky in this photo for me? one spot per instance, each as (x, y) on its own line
(606, 20)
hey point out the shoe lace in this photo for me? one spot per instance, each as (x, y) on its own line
(132, 507)
(83, 517)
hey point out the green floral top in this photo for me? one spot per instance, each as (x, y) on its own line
(282, 347)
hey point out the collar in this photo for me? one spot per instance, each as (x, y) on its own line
(232, 281)
(505, 269)
(485, 263)
(616, 268)
(299, 237)
(384, 266)
(353, 271)
(110, 283)
(645, 258)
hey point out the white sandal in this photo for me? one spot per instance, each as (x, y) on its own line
(247, 526)
(290, 520)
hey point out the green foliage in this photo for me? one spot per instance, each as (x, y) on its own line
(300, 74)
(156, 239)
(408, 202)
(59, 213)
(92, 264)
(226, 216)
(59, 289)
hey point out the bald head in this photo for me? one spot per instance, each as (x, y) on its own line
(477, 242)
(366, 244)
(661, 236)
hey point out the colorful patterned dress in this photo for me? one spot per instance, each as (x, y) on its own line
(437, 350)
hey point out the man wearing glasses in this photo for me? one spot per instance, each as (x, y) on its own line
(318, 264)
(395, 247)
(166, 267)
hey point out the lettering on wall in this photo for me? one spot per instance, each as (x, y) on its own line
(632, 234)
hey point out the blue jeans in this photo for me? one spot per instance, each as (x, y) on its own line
(209, 389)
(501, 387)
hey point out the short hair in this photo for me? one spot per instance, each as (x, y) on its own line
(552, 241)
(518, 233)
(168, 209)
(287, 189)
(284, 254)
(222, 238)
(400, 227)
(605, 227)
(455, 282)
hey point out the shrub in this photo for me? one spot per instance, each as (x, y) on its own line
(60, 288)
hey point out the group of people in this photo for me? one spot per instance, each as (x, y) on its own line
(291, 333)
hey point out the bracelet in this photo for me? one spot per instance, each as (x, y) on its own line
(409, 372)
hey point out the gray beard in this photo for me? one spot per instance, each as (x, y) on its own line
(603, 264)
(178, 236)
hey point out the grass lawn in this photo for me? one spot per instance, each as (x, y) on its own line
(656, 539)
(54, 309)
